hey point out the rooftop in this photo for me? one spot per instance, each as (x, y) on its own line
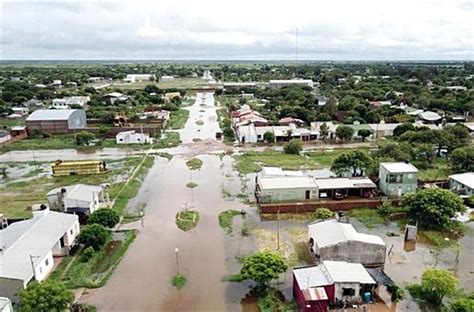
(332, 232)
(51, 114)
(466, 178)
(343, 183)
(80, 192)
(286, 183)
(35, 236)
(398, 167)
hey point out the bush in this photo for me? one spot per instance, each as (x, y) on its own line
(269, 137)
(104, 216)
(87, 254)
(294, 147)
(323, 213)
(94, 235)
(179, 281)
(84, 138)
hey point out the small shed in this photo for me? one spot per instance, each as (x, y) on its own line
(287, 188)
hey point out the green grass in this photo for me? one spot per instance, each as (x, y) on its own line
(130, 190)
(178, 119)
(179, 281)
(8, 123)
(180, 83)
(171, 139)
(17, 196)
(191, 185)
(235, 278)
(54, 142)
(270, 300)
(166, 155)
(439, 170)
(187, 220)
(368, 217)
(225, 219)
(194, 164)
(95, 272)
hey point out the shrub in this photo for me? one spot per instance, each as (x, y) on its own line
(323, 213)
(105, 216)
(269, 137)
(94, 235)
(84, 138)
(87, 254)
(294, 147)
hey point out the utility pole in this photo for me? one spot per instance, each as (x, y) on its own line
(278, 230)
(176, 251)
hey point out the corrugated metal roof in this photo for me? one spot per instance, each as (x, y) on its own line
(35, 236)
(315, 294)
(398, 167)
(466, 178)
(332, 232)
(345, 272)
(51, 114)
(309, 277)
(343, 183)
(287, 183)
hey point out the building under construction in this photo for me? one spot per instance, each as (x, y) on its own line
(81, 167)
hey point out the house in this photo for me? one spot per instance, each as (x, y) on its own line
(132, 78)
(66, 102)
(167, 78)
(382, 130)
(253, 131)
(377, 104)
(114, 97)
(32, 103)
(63, 168)
(290, 120)
(430, 117)
(331, 282)
(79, 199)
(337, 241)
(17, 130)
(28, 248)
(5, 305)
(276, 185)
(4, 136)
(397, 178)
(53, 121)
(56, 83)
(132, 137)
(462, 183)
(22, 111)
(40, 86)
(277, 84)
(316, 130)
(286, 189)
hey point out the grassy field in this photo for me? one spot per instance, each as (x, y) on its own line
(194, 164)
(178, 119)
(252, 161)
(181, 83)
(171, 139)
(8, 123)
(55, 142)
(16, 196)
(225, 219)
(76, 273)
(439, 170)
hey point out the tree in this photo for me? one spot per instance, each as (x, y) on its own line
(294, 147)
(464, 304)
(392, 150)
(401, 129)
(439, 283)
(330, 107)
(363, 133)
(344, 133)
(105, 216)
(84, 138)
(47, 296)
(94, 235)
(354, 162)
(432, 208)
(323, 130)
(263, 267)
(323, 117)
(425, 153)
(269, 137)
(462, 159)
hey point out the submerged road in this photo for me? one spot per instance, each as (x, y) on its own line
(142, 280)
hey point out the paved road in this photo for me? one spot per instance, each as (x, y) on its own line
(142, 281)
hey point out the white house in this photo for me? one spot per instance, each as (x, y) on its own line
(28, 247)
(139, 77)
(66, 102)
(79, 199)
(5, 305)
(23, 111)
(462, 183)
(132, 137)
(167, 78)
(114, 97)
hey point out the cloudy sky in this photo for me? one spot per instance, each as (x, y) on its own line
(238, 29)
